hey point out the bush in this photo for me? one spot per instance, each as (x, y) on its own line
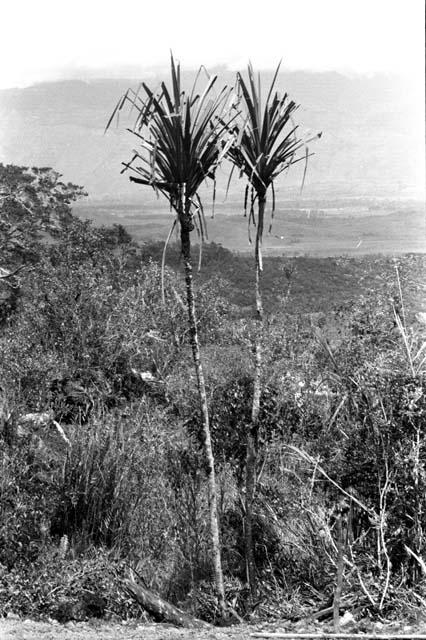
(28, 496)
(68, 588)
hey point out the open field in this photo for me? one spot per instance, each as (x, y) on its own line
(330, 251)
(316, 228)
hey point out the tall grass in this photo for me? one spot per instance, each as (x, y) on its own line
(111, 480)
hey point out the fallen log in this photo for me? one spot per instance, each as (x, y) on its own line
(347, 602)
(328, 611)
(161, 610)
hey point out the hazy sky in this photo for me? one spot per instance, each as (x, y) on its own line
(51, 39)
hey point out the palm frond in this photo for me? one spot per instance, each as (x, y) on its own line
(265, 140)
(178, 136)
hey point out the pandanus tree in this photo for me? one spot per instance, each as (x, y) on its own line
(179, 137)
(266, 142)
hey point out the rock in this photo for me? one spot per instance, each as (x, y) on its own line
(421, 317)
(347, 619)
(12, 616)
(38, 419)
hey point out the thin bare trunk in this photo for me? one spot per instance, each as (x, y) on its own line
(208, 450)
(339, 572)
(251, 456)
(251, 459)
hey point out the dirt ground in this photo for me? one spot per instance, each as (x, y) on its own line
(15, 629)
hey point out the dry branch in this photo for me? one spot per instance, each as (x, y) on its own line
(313, 636)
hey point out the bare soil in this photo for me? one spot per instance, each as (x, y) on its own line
(16, 629)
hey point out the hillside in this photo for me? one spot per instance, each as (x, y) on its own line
(103, 469)
(306, 285)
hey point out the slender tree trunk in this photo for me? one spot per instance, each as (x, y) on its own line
(208, 450)
(339, 571)
(251, 456)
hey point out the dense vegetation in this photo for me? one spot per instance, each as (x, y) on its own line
(101, 448)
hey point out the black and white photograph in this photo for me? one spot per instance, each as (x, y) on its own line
(212, 320)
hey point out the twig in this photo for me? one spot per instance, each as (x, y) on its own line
(4, 274)
(375, 636)
(361, 581)
(61, 432)
(339, 573)
(305, 456)
(383, 494)
(324, 612)
(163, 261)
(400, 296)
(422, 600)
(420, 560)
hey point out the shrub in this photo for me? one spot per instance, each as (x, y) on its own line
(27, 499)
(67, 588)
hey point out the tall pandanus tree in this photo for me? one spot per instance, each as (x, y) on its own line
(266, 142)
(179, 146)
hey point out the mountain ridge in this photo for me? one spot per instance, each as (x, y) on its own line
(370, 142)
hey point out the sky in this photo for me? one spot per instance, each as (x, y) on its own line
(56, 39)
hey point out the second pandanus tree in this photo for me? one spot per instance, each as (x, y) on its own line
(265, 143)
(179, 137)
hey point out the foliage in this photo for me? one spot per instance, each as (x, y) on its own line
(306, 286)
(88, 316)
(32, 201)
(264, 143)
(92, 348)
(179, 136)
(65, 587)
(231, 414)
(371, 448)
(27, 498)
(204, 604)
(34, 204)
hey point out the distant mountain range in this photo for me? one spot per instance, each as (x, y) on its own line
(372, 142)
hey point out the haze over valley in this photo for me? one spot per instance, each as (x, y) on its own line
(364, 186)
